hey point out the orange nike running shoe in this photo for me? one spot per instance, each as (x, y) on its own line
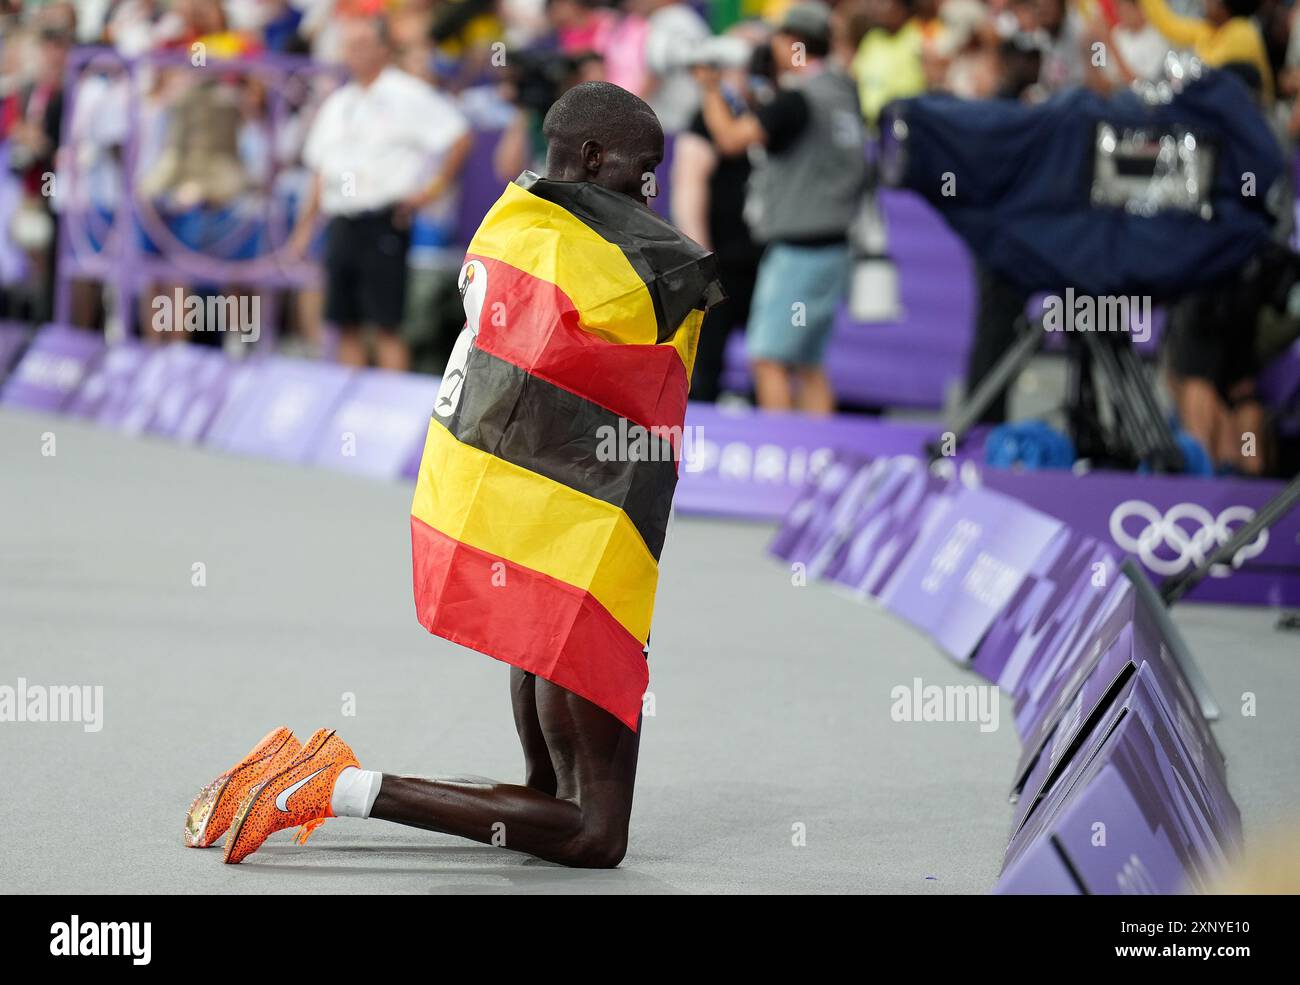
(298, 794)
(210, 814)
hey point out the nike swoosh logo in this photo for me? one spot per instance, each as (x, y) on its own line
(282, 801)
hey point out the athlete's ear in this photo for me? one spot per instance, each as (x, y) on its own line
(593, 157)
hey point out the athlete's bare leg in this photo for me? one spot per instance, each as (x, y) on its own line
(539, 771)
(593, 758)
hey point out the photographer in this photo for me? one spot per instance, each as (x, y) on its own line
(535, 81)
(802, 201)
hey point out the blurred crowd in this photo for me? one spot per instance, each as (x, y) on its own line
(350, 179)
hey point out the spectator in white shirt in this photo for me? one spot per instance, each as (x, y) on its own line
(383, 147)
(1134, 49)
(674, 31)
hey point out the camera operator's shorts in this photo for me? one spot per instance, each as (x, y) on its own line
(1212, 336)
(365, 270)
(798, 289)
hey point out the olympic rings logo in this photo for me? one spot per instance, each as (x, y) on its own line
(1189, 530)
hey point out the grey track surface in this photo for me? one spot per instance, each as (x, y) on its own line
(772, 701)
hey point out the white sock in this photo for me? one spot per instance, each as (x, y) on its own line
(355, 792)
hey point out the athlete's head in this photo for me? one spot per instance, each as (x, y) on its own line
(601, 133)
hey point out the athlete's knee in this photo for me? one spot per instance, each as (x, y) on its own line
(601, 854)
(601, 848)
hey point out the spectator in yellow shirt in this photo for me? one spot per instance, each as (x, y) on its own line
(888, 62)
(1226, 35)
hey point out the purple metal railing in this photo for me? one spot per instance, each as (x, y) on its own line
(121, 259)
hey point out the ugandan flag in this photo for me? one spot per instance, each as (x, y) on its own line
(550, 463)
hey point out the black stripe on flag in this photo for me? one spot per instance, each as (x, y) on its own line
(546, 429)
(679, 274)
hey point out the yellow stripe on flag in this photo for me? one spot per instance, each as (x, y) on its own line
(525, 231)
(686, 339)
(520, 516)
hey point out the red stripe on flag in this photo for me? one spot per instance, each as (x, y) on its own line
(527, 619)
(533, 324)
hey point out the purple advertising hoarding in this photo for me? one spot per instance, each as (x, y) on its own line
(378, 425)
(1106, 841)
(964, 571)
(1054, 603)
(1061, 672)
(51, 368)
(181, 391)
(753, 464)
(1041, 871)
(811, 518)
(1133, 732)
(1044, 757)
(1170, 523)
(109, 382)
(862, 521)
(279, 410)
(1042, 705)
(906, 502)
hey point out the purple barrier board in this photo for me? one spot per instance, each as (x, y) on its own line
(278, 410)
(1054, 603)
(378, 425)
(1061, 672)
(238, 391)
(1048, 753)
(52, 368)
(1035, 818)
(1131, 855)
(1186, 733)
(13, 337)
(1041, 871)
(109, 383)
(411, 468)
(813, 512)
(180, 391)
(910, 503)
(962, 573)
(1170, 523)
(1105, 840)
(856, 522)
(752, 464)
(1133, 733)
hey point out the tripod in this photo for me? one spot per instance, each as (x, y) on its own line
(1105, 370)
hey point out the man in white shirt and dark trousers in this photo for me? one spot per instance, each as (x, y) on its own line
(382, 148)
